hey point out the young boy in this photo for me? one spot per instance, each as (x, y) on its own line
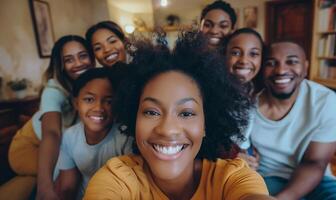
(87, 145)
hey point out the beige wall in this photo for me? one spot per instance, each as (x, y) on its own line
(18, 51)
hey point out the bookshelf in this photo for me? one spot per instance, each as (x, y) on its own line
(323, 59)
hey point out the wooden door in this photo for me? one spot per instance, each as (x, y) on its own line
(290, 20)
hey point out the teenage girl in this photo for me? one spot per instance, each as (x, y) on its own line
(35, 147)
(218, 20)
(108, 42)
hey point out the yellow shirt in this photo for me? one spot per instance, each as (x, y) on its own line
(124, 177)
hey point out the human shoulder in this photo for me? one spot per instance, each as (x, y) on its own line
(73, 134)
(234, 178)
(119, 179)
(318, 92)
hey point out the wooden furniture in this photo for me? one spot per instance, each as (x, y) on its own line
(290, 20)
(13, 114)
(323, 59)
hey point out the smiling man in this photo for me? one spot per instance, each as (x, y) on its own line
(295, 127)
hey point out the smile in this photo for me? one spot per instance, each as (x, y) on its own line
(242, 71)
(168, 150)
(97, 119)
(214, 40)
(282, 81)
(80, 71)
(112, 57)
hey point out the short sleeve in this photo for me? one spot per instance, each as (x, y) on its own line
(244, 182)
(326, 131)
(52, 100)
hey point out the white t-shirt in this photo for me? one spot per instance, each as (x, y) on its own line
(282, 143)
(53, 99)
(75, 152)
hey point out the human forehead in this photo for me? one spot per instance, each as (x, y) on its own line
(286, 49)
(245, 38)
(217, 15)
(72, 47)
(102, 34)
(97, 84)
(172, 85)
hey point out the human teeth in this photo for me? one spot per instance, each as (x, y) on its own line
(96, 118)
(214, 40)
(169, 150)
(282, 80)
(112, 57)
(242, 71)
(80, 71)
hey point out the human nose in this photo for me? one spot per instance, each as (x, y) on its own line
(99, 106)
(242, 59)
(214, 30)
(168, 126)
(281, 68)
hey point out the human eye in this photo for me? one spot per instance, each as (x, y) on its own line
(151, 113)
(68, 60)
(96, 48)
(187, 113)
(224, 25)
(108, 101)
(235, 52)
(83, 55)
(292, 62)
(111, 40)
(207, 24)
(270, 63)
(254, 54)
(88, 99)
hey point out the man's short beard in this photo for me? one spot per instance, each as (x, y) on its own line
(282, 96)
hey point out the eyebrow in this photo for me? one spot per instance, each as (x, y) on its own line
(71, 55)
(179, 102)
(222, 21)
(293, 56)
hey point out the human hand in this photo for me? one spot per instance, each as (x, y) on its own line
(252, 160)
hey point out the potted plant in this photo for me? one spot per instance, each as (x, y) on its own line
(18, 86)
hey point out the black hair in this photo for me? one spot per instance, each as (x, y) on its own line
(221, 5)
(257, 83)
(115, 75)
(56, 67)
(109, 25)
(225, 104)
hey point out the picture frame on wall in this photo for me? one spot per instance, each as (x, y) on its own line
(43, 28)
(251, 17)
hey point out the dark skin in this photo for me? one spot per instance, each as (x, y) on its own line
(284, 70)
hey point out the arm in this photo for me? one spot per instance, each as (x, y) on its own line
(48, 154)
(67, 183)
(309, 172)
(252, 160)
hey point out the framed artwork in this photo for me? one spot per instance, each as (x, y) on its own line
(251, 17)
(43, 28)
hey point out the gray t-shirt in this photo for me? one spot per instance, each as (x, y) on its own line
(282, 143)
(75, 152)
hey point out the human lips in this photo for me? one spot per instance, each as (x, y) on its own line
(111, 57)
(168, 151)
(97, 118)
(214, 40)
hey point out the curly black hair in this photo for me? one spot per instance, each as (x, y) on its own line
(221, 5)
(225, 103)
